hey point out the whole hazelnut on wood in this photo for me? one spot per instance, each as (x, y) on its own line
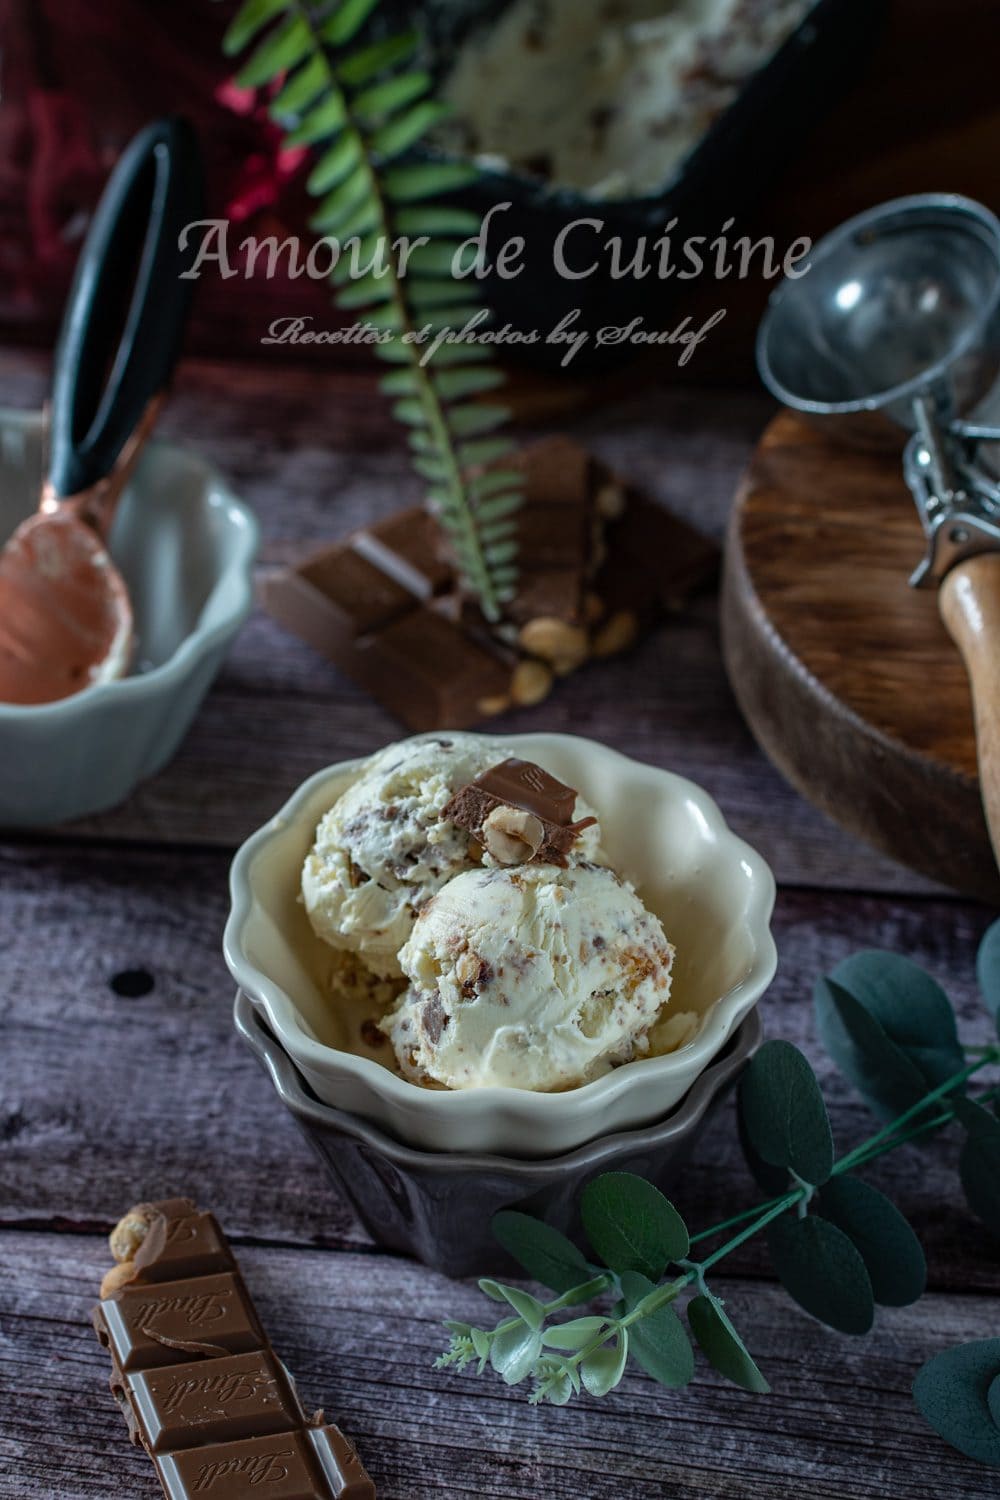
(610, 500)
(554, 640)
(512, 835)
(531, 682)
(616, 634)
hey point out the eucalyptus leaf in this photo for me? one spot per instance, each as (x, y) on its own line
(280, 50)
(784, 1113)
(953, 1393)
(911, 1007)
(513, 1353)
(409, 183)
(979, 1162)
(892, 1254)
(658, 1342)
(988, 970)
(525, 1305)
(404, 130)
(248, 21)
(880, 1070)
(722, 1345)
(546, 1255)
(604, 1367)
(631, 1225)
(300, 88)
(491, 1289)
(993, 1400)
(773, 1180)
(481, 1343)
(347, 20)
(822, 1271)
(374, 59)
(574, 1334)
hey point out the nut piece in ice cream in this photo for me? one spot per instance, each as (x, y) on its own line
(535, 978)
(512, 835)
(521, 813)
(385, 847)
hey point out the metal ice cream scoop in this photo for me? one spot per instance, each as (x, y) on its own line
(896, 327)
(65, 612)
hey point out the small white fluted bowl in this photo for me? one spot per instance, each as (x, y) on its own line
(185, 546)
(713, 893)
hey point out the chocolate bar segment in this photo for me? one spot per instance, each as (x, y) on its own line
(172, 1321)
(524, 785)
(198, 1382)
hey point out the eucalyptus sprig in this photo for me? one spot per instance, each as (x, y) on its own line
(363, 106)
(838, 1245)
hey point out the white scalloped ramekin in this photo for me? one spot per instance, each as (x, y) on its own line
(713, 893)
(186, 547)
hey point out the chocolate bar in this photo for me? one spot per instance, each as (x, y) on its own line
(196, 1377)
(526, 787)
(598, 564)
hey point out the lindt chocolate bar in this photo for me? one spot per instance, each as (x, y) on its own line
(597, 565)
(196, 1377)
(543, 835)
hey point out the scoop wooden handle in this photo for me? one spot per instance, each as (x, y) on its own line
(969, 600)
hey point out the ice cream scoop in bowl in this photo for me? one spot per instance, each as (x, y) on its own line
(711, 891)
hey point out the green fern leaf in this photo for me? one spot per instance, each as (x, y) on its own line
(431, 469)
(301, 89)
(325, 118)
(484, 452)
(459, 353)
(377, 58)
(496, 482)
(371, 290)
(452, 385)
(410, 183)
(402, 382)
(336, 163)
(471, 421)
(399, 134)
(346, 21)
(351, 201)
(395, 352)
(280, 50)
(428, 219)
(500, 552)
(423, 295)
(499, 507)
(435, 259)
(453, 316)
(248, 21)
(383, 98)
(410, 412)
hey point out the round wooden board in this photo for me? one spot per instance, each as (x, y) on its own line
(845, 674)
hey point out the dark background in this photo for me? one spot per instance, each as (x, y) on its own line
(77, 78)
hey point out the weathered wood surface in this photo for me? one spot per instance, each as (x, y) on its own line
(360, 1333)
(106, 1098)
(313, 454)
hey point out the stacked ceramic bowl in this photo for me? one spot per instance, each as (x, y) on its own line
(427, 1168)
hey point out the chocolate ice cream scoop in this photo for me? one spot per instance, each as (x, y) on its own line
(65, 612)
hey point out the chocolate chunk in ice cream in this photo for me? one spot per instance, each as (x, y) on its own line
(548, 833)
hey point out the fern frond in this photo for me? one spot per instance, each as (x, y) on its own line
(363, 107)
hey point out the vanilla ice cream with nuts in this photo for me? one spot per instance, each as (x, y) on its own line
(531, 977)
(386, 847)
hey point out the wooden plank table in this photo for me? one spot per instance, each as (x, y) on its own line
(105, 1099)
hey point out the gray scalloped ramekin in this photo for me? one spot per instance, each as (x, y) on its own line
(186, 547)
(437, 1205)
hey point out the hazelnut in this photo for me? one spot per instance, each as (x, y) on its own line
(610, 500)
(118, 1276)
(554, 640)
(468, 967)
(531, 682)
(512, 835)
(130, 1231)
(495, 705)
(617, 634)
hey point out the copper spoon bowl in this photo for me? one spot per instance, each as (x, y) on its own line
(65, 612)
